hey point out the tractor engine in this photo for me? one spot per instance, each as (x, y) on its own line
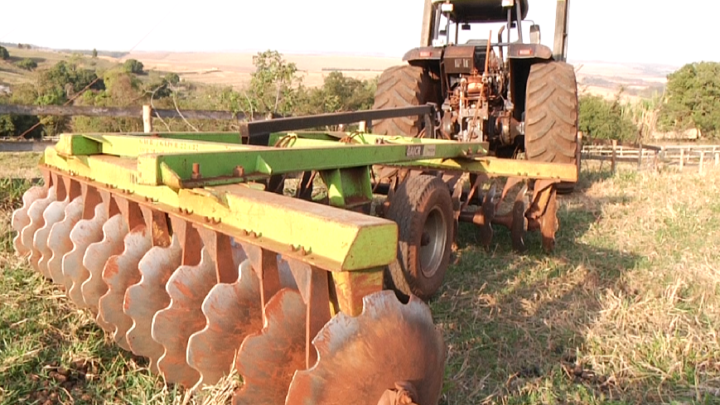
(478, 106)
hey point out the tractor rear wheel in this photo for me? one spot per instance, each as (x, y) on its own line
(403, 86)
(422, 208)
(551, 116)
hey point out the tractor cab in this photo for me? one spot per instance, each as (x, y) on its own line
(445, 19)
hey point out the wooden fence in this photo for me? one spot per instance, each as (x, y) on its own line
(652, 156)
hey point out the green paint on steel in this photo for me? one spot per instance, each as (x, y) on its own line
(348, 188)
(279, 161)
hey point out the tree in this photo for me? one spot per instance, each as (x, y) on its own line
(605, 119)
(273, 84)
(27, 64)
(121, 89)
(338, 93)
(94, 53)
(693, 99)
(4, 54)
(172, 78)
(14, 125)
(133, 66)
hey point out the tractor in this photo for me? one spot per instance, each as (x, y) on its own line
(518, 96)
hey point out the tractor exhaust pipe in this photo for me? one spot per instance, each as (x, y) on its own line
(561, 31)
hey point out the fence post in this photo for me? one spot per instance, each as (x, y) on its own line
(147, 119)
(640, 157)
(702, 159)
(682, 158)
(361, 126)
(368, 126)
(655, 160)
(578, 152)
(614, 156)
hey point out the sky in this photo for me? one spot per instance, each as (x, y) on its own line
(637, 31)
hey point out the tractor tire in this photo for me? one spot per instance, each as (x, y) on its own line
(422, 207)
(403, 86)
(551, 116)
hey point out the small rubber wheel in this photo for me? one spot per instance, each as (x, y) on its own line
(422, 208)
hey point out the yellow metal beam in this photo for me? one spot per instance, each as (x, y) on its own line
(329, 238)
(498, 167)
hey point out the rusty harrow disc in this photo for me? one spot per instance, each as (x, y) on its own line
(139, 276)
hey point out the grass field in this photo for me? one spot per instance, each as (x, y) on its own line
(626, 311)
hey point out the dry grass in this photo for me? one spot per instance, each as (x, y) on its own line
(21, 165)
(626, 311)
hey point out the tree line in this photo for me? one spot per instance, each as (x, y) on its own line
(691, 100)
(275, 88)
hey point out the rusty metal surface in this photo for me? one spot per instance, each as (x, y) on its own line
(85, 233)
(59, 241)
(483, 217)
(404, 393)
(21, 219)
(149, 296)
(35, 213)
(313, 285)
(54, 213)
(519, 225)
(267, 360)
(187, 287)
(362, 357)
(233, 311)
(265, 264)
(120, 272)
(549, 223)
(352, 287)
(95, 258)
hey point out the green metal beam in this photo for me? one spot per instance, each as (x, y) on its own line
(177, 169)
(131, 145)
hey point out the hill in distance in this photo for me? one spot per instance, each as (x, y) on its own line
(234, 68)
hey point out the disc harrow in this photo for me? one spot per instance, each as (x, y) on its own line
(192, 250)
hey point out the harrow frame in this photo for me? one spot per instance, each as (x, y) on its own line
(215, 202)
